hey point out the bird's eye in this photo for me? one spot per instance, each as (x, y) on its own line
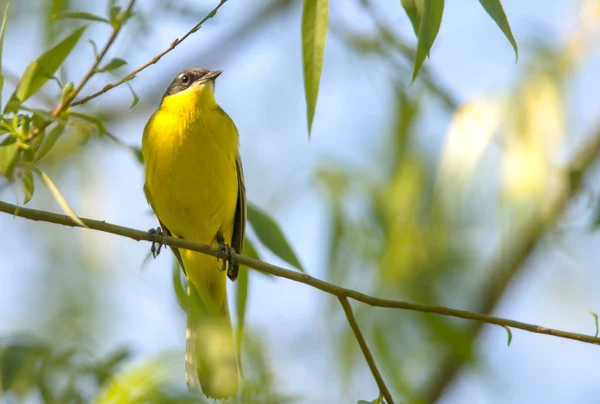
(185, 79)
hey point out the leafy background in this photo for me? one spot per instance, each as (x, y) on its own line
(389, 196)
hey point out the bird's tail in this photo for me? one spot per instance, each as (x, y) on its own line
(210, 359)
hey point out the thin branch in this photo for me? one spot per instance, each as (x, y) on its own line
(365, 349)
(151, 61)
(138, 235)
(93, 70)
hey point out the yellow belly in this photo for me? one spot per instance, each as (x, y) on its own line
(191, 179)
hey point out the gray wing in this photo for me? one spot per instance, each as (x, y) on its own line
(239, 226)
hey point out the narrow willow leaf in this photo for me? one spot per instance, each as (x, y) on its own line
(179, 286)
(135, 100)
(92, 120)
(49, 140)
(271, 236)
(2, 31)
(250, 252)
(8, 158)
(66, 91)
(428, 30)
(596, 320)
(495, 10)
(112, 65)
(509, 332)
(59, 198)
(114, 15)
(43, 68)
(314, 31)
(241, 299)
(414, 11)
(27, 185)
(79, 15)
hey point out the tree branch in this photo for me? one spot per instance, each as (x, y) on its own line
(93, 70)
(138, 235)
(151, 61)
(365, 349)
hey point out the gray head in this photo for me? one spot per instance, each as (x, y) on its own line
(190, 76)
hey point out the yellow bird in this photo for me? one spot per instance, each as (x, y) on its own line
(195, 185)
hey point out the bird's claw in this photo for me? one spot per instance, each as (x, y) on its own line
(225, 252)
(159, 238)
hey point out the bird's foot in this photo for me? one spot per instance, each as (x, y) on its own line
(159, 239)
(225, 252)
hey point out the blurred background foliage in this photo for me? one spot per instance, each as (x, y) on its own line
(414, 192)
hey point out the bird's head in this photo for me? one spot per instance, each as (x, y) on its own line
(195, 86)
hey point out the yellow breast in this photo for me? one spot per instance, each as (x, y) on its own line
(190, 151)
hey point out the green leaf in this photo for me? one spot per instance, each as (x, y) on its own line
(2, 31)
(179, 286)
(136, 99)
(414, 11)
(269, 233)
(596, 320)
(59, 198)
(27, 184)
(66, 91)
(40, 70)
(92, 120)
(495, 10)
(241, 298)
(8, 158)
(314, 31)
(79, 15)
(112, 65)
(114, 14)
(509, 332)
(6, 140)
(250, 251)
(428, 30)
(49, 140)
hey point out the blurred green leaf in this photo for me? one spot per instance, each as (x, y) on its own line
(135, 100)
(269, 233)
(414, 11)
(49, 140)
(179, 285)
(79, 15)
(509, 332)
(250, 251)
(596, 321)
(114, 14)
(241, 299)
(314, 32)
(106, 368)
(428, 30)
(59, 198)
(96, 122)
(139, 384)
(2, 31)
(27, 184)
(66, 91)
(8, 139)
(495, 10)
(363, 402)
(8, 158)
(39, 71)
(112, 65)
(20, 363)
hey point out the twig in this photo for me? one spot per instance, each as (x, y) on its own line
(151, 61)
(93, 70)
(365, 349)
(138, 235)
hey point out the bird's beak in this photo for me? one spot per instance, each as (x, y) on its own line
(211, 76)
